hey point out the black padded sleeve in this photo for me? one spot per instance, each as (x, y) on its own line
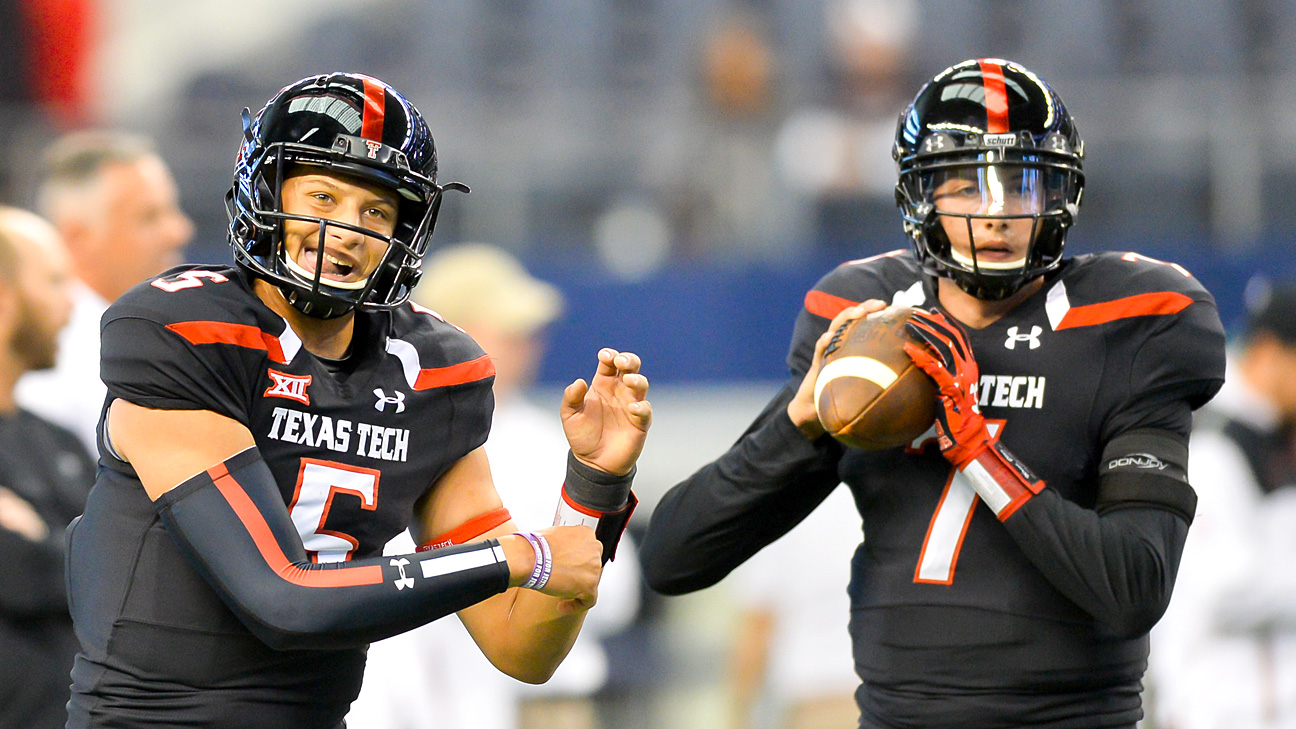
(143, 362)
(1177, 368)
(755, 493)
(1118, 562)
(232, 525)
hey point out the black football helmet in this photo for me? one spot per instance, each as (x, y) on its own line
(1001, 128)
(348, 124)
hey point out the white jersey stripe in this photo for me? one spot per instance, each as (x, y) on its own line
(463, 561)
(1056, 304)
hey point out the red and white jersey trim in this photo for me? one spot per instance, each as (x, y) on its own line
(1062, 315)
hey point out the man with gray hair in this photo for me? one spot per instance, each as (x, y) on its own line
(114, 202)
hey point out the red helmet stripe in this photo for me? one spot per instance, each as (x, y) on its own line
(996, 97)
(374, 109)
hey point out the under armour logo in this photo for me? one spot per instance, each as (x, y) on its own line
(1057, 143)
(383, 401)
(404, 580)
(373, 148)
(934, 143)
(292, 387)
(1033, 337)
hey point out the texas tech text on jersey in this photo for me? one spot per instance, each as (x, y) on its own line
(215, 346)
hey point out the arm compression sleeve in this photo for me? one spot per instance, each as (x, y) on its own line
(231, 523)
(1118, 561)
(755, 493)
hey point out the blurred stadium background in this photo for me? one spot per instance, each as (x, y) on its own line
(676, 166)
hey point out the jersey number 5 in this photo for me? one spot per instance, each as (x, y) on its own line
(317, 483)
(187, 280)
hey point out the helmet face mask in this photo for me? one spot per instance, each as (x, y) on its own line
(353, 128)
(990, 177)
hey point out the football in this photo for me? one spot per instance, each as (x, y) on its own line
(869, 394)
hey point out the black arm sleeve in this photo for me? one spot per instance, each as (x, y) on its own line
(232, 525)
(1118, 561)
(764, 485)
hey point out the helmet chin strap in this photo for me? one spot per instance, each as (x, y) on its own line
(984, 292)
(316, 307)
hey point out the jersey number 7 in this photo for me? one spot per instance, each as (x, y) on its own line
(949, 525)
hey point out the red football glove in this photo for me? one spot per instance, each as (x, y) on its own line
(959, 424)
(1002, 481)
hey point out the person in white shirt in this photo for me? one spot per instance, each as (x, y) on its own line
(434, 677)
(1224, 654)
(791, 666)
(114, 202)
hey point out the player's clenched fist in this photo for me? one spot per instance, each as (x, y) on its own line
(577, 566)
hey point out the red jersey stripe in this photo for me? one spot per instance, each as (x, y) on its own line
(1153, 304)
(996, 97)
(219, 332)
(464, 372)
(826, 305)
(375, 109)
(266, 543)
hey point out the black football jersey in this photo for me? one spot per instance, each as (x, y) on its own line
(352, 445)
(942, 598)
(959, 620)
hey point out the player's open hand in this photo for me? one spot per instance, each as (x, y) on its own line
(802, 409)
(607, 421)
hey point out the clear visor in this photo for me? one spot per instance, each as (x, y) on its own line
(994, 190)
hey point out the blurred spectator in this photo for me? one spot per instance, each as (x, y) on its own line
(1224, 655)
(730, 198)
(837, 155)
(434, 676)
(792, 666)
(45, 475)
(114, 202)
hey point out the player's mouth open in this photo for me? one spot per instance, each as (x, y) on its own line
(335, 269)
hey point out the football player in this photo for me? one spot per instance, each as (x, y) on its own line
(271, 425)
(1018, 553)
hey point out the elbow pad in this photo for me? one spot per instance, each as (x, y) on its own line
(231, 523)
(598, 500)
(1146, 469)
